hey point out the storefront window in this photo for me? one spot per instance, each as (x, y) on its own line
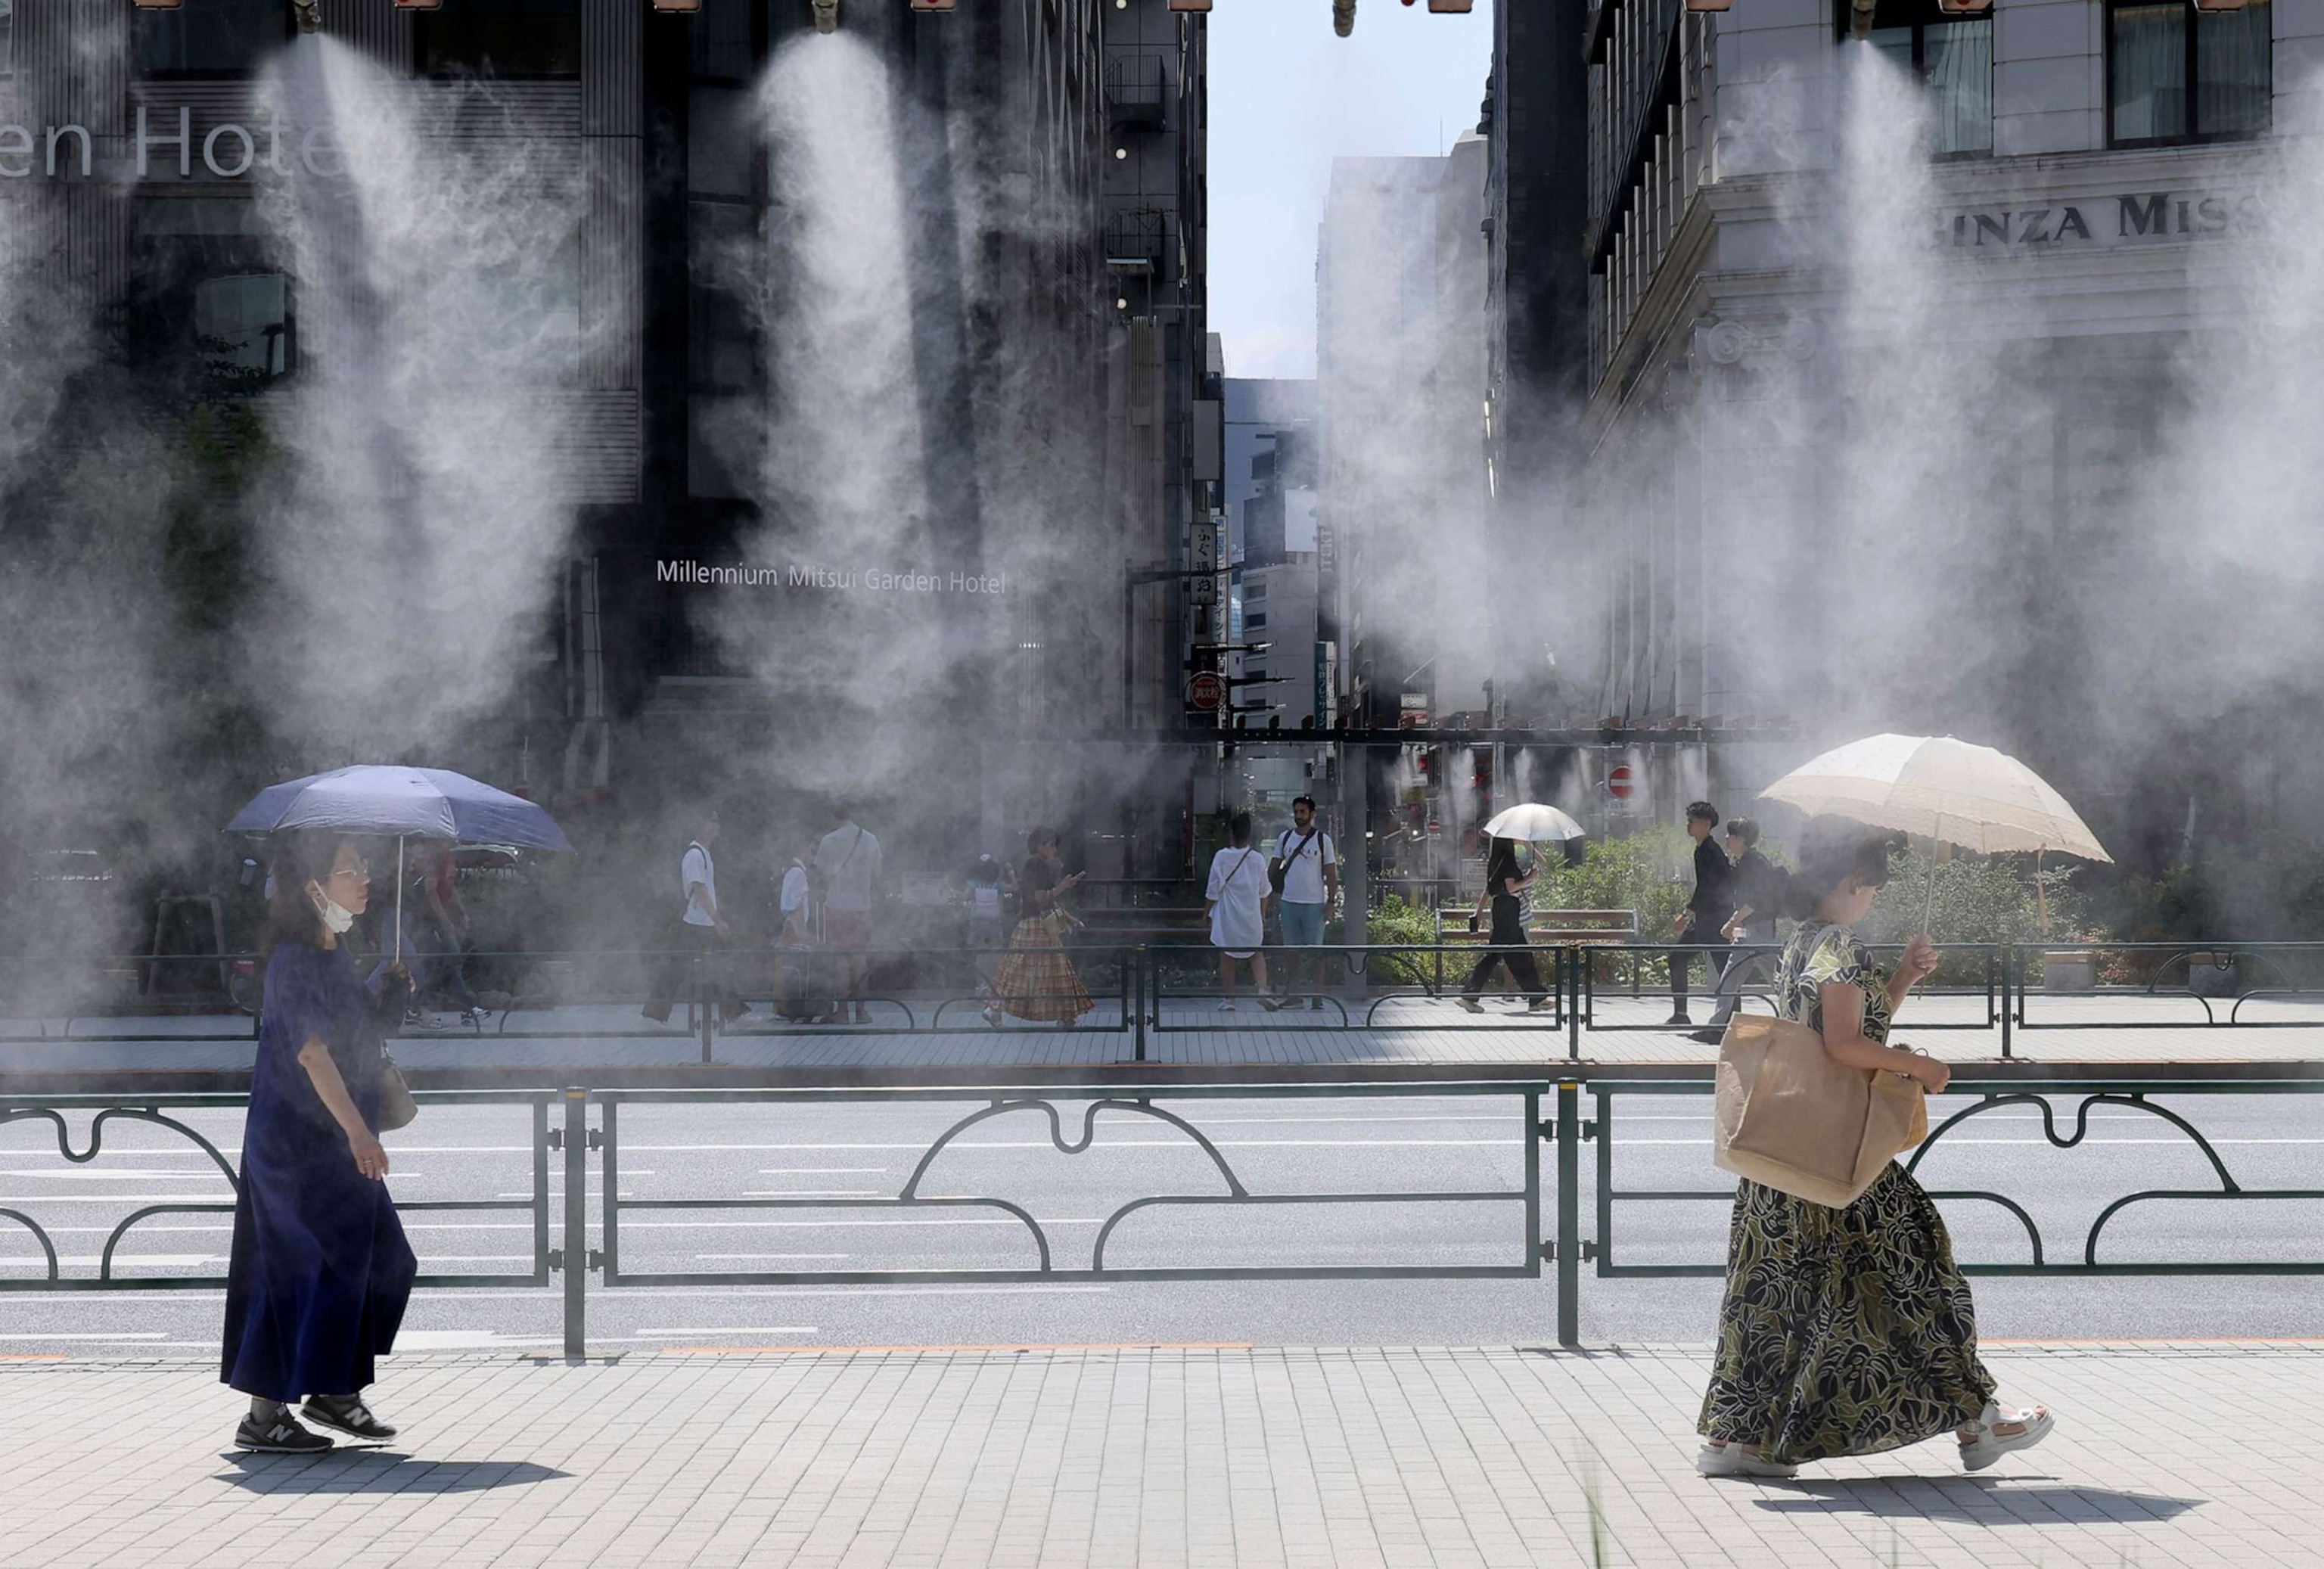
(1954, 56)
(2176, 74)
(503, 38)
(210, 37)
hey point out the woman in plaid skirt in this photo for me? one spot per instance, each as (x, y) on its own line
(1037, 981)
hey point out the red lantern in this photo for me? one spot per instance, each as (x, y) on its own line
(1450, 7)
(419, 4)
(1709, 5)
(156, 5)
(677, 8)
(1198, 6)
(932, 5)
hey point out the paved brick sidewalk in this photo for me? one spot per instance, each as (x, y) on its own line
(2193, 1455)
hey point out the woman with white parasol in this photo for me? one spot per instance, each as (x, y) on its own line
(1510, 873)
(1851, 1331)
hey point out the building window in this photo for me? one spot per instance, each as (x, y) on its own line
(7, 37)
(241, 326)
(2176, 74)
(217, 38)
(503, 38)
(1953, 55)
(1251, 622)
(1251, 591)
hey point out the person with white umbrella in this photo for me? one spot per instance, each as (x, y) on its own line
(1511, 869)
(1851, 1331)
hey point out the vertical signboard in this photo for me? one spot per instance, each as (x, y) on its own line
(1327, 686)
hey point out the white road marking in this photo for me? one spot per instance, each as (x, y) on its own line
(775, 1258)
(815, 1192)
(148, 1334)
(657, 1333)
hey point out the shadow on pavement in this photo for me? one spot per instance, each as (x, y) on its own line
(350, 1470)
(1973, 1502)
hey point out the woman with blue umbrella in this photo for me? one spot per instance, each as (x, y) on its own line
(320, 1272)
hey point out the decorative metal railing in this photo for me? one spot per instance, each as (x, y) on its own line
(1541, 1109)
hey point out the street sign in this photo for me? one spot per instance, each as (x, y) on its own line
(1622, 783)
(1203, 590)
(1207, 690)
(1205, 548)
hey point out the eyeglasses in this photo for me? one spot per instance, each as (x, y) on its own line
(359, 869)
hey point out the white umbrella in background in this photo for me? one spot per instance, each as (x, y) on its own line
(1938, 788)
(1534, 824)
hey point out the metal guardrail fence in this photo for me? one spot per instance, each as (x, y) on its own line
(1564, 1129)
(1148, 988)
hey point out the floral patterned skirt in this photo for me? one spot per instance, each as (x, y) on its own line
(1036, 980)
(1844, 1331)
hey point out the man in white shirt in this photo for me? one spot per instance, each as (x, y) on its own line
(1310, 865)
(848, 862)
(701, 931)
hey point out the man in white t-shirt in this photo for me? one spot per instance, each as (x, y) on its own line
(848, 862)
(701, 931)
(1310, 865)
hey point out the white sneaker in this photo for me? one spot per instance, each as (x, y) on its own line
(1735, 1460)
(2033, 1425)
(1226, 1006)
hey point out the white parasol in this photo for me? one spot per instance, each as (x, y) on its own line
(1534, 824)
(1942, 789)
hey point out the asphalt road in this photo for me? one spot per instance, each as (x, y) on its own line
(1406, 1145)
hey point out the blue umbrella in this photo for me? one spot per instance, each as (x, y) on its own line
(421, 803)
(400, 803)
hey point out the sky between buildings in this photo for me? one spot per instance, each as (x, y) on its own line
(1288, 96)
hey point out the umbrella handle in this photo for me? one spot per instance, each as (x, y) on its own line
(399, 899)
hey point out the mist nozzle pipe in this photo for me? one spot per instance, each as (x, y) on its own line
(1343, 17)
(310, 13)
(1859, 18)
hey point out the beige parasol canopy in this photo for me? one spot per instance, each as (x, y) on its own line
(1938, 788)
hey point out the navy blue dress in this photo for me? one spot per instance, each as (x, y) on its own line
(320, 1272)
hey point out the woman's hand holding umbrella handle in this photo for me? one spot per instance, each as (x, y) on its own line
(1920, 957)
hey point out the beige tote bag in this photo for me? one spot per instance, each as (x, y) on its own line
(1790, 1117)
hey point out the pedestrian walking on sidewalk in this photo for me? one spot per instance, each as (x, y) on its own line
(1238, 897)
(700, 934)
(1305, 876)
(848, 860)
(1036, 980)
(1758, 891)
(319, 1271)
(1713, 901)
(1848, 1331)
(1508, 872)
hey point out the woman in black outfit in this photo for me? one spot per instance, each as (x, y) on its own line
(1506, 878)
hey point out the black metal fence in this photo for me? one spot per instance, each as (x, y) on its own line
(1138, 989)
(1544, 1209)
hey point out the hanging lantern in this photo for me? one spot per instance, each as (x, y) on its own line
(932, 5)
(1190, 5)
(155, 5)
(1700, 6)
(419, 4)
(2209, 6)
(1975, 7)
(677, 8)
(1450, 7)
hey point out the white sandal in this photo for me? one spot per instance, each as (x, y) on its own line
(1988, 1442)
(1720, 1459)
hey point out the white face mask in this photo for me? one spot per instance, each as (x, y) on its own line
(336, 917)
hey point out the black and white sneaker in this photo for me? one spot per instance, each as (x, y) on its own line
(278, 1435)
(346, 1414)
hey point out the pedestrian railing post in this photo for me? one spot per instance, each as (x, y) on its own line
(1133, 992)
(2012, 988)
(576, 1223)
(1577, 957)
(704, 994)
(1569, 1215)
